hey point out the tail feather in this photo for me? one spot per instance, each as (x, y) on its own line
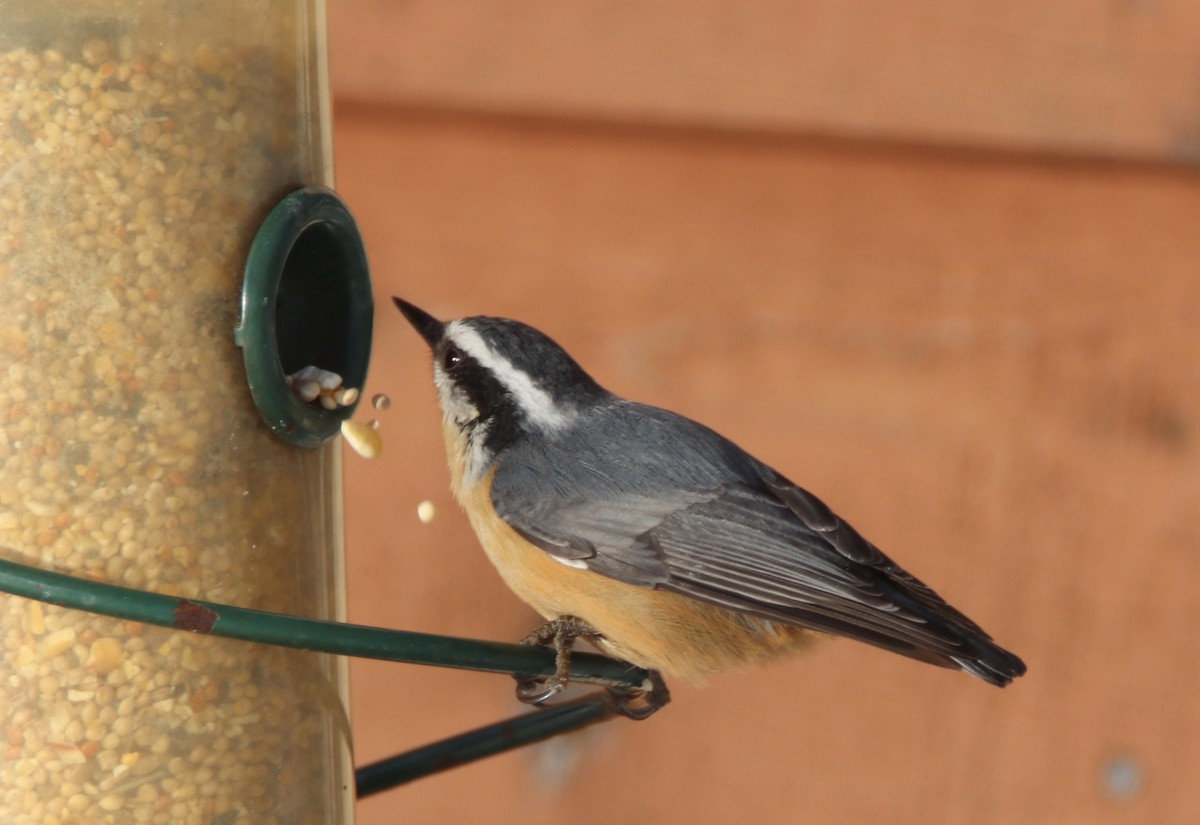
(971, 648)
(991, 663)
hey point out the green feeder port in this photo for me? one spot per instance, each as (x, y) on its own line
(306, 302)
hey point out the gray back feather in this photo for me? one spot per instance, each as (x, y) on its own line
(654, 499)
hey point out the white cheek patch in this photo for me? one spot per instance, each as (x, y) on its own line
(535, 402)
(478, 459)
(456, 405)
(457, 410)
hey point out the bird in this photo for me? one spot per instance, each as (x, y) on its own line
(653, 537)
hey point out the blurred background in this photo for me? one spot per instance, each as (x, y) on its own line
(937, 262)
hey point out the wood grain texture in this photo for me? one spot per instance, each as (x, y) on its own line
(990, 367)
(1102, 78)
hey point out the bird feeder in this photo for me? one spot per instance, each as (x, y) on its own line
(148, 434)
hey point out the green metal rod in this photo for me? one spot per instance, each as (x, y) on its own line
(479, 743)
(307, 634)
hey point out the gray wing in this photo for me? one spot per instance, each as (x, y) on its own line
(675, 506)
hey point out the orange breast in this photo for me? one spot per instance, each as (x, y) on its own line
(651, 628)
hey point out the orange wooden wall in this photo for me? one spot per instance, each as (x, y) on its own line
(938, 262)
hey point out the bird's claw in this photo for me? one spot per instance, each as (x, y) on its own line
(537, 691)
(560, 635)
(641, 703)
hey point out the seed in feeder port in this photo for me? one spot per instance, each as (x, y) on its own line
(362, 439)
(307, 390)
(380, 401)
(315, 384)
(426, 512)
(324, 378)
(304, 374)
(310, 383)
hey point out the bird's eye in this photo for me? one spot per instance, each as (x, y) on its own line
(451, 357)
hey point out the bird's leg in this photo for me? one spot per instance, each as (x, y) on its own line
(559, 634)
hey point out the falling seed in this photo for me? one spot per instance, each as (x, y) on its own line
(380, 401)
(373, 423)
(426, 512)
(364, 440)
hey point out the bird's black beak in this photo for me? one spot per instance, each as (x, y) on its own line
(431, 328)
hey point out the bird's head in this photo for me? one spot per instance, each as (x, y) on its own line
(501, 381)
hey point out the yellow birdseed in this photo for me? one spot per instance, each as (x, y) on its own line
(132, 177)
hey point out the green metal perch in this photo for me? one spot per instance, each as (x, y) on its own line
(355, 640)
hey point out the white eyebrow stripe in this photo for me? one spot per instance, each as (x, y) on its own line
(533, 400)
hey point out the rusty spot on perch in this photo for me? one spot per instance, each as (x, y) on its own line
(194, 617)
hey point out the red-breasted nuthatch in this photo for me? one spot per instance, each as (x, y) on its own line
(655, 538)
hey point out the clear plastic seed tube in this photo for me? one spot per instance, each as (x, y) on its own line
(139, 151)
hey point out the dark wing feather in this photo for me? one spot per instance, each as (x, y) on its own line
(750, 553)
(675, 506)
(608, 533)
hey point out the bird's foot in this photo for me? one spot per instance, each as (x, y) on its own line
(559, 635)
(642, 702)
